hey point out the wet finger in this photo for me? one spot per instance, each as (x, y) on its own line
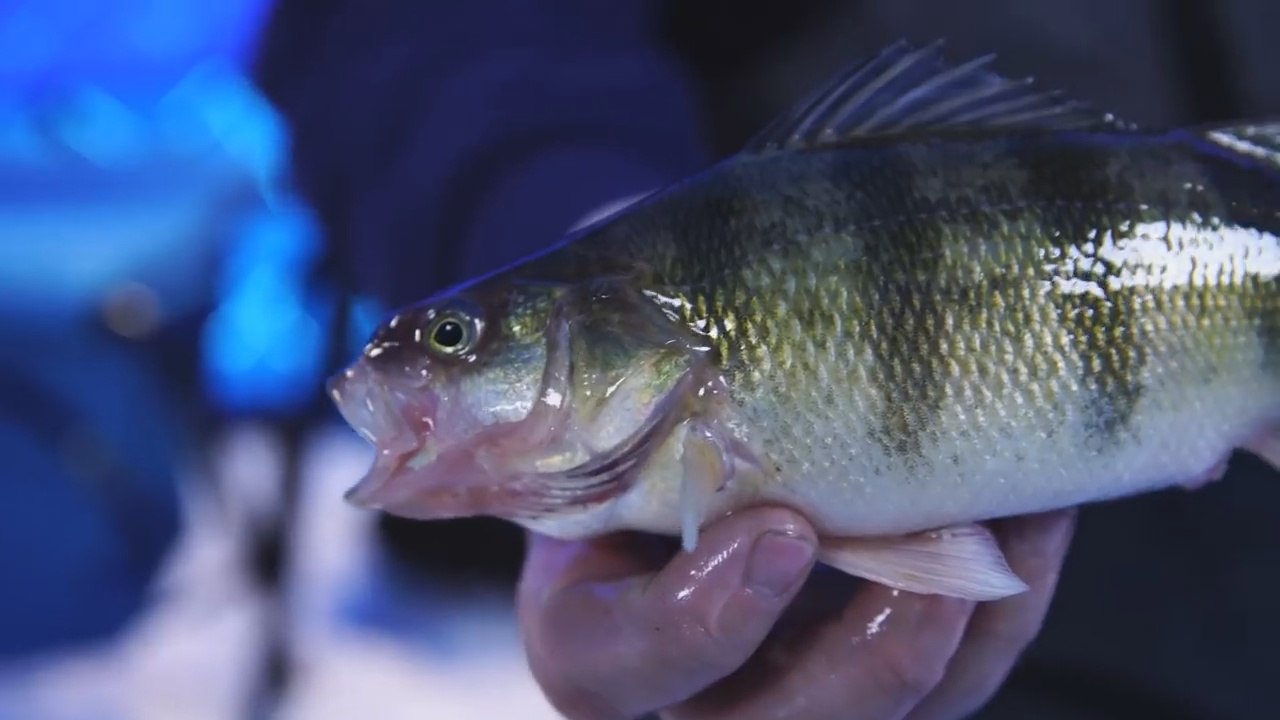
(874, 661)
(605, 644)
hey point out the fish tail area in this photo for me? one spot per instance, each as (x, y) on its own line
(1259, 141)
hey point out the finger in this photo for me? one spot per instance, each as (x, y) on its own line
(1036, 547)
(874, 661)
(604, 645)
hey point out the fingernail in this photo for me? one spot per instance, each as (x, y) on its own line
(778, 562)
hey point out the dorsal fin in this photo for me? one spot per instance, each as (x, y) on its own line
(906, 89)
(1259, 141)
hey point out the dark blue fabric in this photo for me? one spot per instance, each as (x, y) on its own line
(90, 452)
(439, 140)
(517, 213)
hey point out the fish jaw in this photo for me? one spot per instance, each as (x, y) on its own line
(436, 457)
(399, 424)
(425, 469)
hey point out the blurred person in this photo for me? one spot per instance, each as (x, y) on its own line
(483, 131)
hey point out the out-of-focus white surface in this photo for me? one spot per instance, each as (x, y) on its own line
(195, 653)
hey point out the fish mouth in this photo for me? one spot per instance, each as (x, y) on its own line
(417, 473)
(399, 423)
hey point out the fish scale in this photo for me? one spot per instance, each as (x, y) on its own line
(925, 298)
(931, 271)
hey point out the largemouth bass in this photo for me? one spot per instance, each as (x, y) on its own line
(927, 297)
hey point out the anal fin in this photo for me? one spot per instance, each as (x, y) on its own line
(1267, 447)
(962, 561)
(1208, 477)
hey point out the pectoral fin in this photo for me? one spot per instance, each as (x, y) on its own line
(963, 561)
(707, 467)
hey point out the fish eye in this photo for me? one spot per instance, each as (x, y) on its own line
(452, 333)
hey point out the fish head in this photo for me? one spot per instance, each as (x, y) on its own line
(439, 384)
(532, 403)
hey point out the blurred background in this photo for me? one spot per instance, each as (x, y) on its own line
(205, 207)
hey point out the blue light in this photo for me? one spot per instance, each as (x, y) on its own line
(152, 93)
(119, 43)
(366, 314)
(99, 127)
(264, 343)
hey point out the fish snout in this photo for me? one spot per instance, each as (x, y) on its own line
(372, 408)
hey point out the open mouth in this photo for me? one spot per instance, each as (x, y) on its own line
(400, 425)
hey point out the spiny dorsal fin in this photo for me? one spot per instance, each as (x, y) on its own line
(908, 89)
(1259, 141)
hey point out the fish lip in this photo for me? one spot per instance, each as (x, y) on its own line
(385, 415)
(391, 460)
(364, 492)
(397, 422)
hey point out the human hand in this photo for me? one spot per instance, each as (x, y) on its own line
(616, 628)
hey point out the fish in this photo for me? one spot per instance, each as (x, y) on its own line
(926, 297)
